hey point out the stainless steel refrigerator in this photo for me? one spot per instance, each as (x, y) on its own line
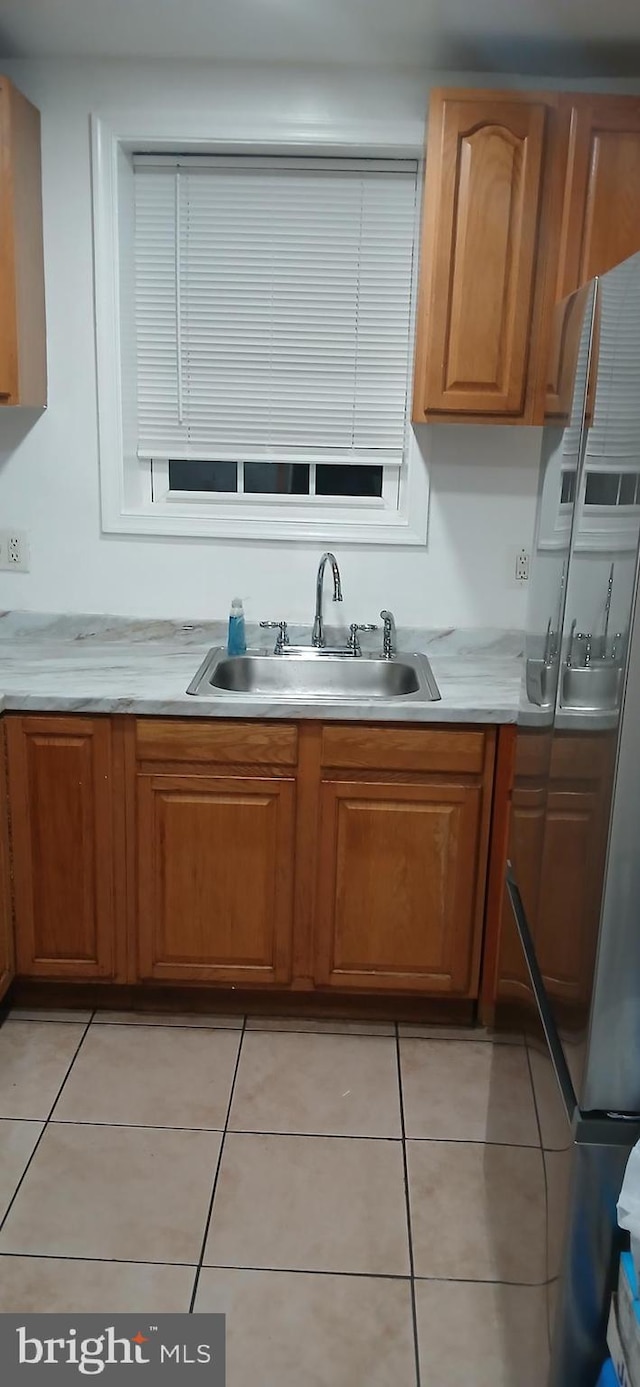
(569, 967)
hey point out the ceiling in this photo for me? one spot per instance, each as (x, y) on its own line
(564, 37)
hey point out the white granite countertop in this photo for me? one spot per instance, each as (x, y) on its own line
(102, 664)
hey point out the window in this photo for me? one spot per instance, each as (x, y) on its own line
(612, 488)
(568, 486)
(264, 338)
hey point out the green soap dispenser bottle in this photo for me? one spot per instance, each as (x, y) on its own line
(236, 639)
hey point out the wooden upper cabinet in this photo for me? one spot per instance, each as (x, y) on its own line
(601, 212)
(23, 371)
(482, 272)
(63, 844)
(569, 321)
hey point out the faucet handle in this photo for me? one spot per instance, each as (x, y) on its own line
(354, 643)
(283, 636)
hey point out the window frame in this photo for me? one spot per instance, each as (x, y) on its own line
(126, 494)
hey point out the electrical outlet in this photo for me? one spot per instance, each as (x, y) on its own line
(14, 551)
(521, 573)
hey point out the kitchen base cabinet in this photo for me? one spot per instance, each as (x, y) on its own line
(7, 961)
(557, 844)
(397, 886)
(212, 850)
(575, 845)
(329, 860)
(404, 820)
(215, 878)
(63, 847)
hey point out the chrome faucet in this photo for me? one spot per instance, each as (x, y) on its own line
(317, 635)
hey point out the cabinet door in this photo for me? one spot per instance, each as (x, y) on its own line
(525, 852)
(601, 213)
(486, 161)
(398, 893)
(566, 334)
(566, 931)
(60, 777)
(23, 372)
(215, 877)
(7, 962)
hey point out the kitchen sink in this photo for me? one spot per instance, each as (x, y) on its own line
(315, 674)
(593, 688)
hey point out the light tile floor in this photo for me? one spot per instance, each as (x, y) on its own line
(365, 1202)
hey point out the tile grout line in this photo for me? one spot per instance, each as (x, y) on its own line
(207, 1224)
(46, 1122)
(414, 1316)
(286, 1271)
(264, 1132)
(469, 1036)
(267, 1132)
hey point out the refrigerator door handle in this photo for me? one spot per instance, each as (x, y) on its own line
(556, 1051)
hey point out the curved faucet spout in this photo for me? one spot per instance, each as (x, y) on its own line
(317, 635)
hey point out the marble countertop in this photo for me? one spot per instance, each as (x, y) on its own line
(101, 664)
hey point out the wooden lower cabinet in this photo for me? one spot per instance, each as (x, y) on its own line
(7, 959)
(557, 846)
(63, 847)
(566, 932)
(247, 854)
(215, 867)
(397, 886)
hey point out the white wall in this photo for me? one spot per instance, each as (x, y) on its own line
(483, 480)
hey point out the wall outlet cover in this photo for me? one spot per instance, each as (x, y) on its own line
(521, 573)
(14, 551)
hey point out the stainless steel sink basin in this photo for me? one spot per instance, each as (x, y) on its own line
(593, 688)
(313, 674)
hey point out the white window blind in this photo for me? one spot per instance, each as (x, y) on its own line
(273, 307)
(614, 437)
(573, 433)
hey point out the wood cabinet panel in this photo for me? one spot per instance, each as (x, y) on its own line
(566, 930)
(601, 214)
(217, 743)
(557, 845)
(215, 865)
(525, 852)
(398, 882)
(23, 376)
(567, 326)
(62, 840)
(7, 959)
(411, 749)
(485, 179)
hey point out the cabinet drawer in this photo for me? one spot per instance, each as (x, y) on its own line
(404, 749)
(222, 743)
